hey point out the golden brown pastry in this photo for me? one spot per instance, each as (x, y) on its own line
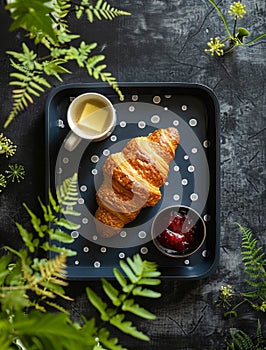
(132, 179)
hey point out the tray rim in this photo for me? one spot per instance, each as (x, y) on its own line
(179, 85)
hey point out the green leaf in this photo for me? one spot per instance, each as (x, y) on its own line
(136, 264)
(27, 238)
(60, 236)
(151, 273)
(98, 303)
(15, 300)
(53, 202)
(32, 15)
(5, 339)
(150, 281)
(36, 222)
(129, 273)
(127, 327)
(55, 68)
(49, 328)
(111, 292)
(48, 215)
(93, 61)
(53, 287)
(130, 306)
(67, 192)
(89, 15)
(242, 32)
(67, 224)
(110, 343)
(67, 212)
(54, 248)
(120, 278)
(14, 277)
(144, 292)
(4, 262)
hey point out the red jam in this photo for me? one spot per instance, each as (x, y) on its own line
(179, 234)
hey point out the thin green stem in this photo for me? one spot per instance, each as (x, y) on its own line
(231, 48)
(237, 305)
(234, 30)
(222, 17)
(254, 40)
(225, 39)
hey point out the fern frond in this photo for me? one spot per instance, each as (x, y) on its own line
(57, 307)
(102, 10)
(122, 297)
(62, 222)
(254, 265)
(98, 303)
(127, 327)
(53, 267)
(111, 292)
(55, 249)
(36, 222)
(27, 237)
(110, 343)
(61, 9)
(52, 223)
(28, 80)
(130, 306)
(145, 292)
(134, 279)
(242, 341)
(96, 70)
(32, 16)
(120, 278)
(259, 337)
(61, 236)
(67, 194)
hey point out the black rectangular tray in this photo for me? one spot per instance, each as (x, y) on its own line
(194, 177)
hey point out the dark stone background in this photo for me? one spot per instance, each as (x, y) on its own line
(164, 41)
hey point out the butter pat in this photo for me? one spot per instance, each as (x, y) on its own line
(94, 117)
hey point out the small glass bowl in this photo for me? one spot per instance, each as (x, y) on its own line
(192, 223)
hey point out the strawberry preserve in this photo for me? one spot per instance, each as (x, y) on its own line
(180, 234)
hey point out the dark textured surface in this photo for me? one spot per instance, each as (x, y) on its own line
(165, 41)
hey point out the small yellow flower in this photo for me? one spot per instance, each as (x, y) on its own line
(215, 46)
(261, 307)
(226, 291)
(2, 182)
(15, 172)
(237, 9)
(225, 295)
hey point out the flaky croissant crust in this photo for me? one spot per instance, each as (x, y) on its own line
(132, 179)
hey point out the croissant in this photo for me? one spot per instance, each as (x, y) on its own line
(132, 179)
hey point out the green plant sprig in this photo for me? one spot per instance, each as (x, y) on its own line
(22, 271)
(14, 172)
(7, 146)
(30, 285)
(243, 341)
(47, 25)
(234, 38)
(137, 275)
(254, 261)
